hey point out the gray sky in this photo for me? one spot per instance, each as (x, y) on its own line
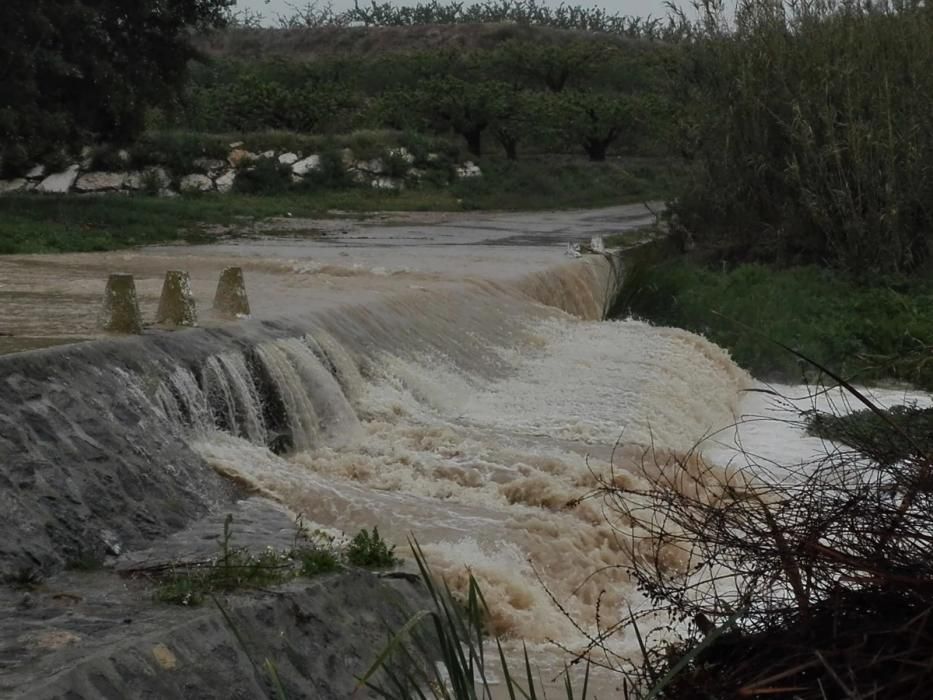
(641, 8)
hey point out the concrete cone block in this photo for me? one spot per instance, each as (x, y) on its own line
(120, 312)
(177, 306)
(230, 299)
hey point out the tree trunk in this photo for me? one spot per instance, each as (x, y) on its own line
(596, 149)
(509, 145)
(474, 141)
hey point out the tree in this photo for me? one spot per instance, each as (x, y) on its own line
(554, 66)
(597, 120)
(465, 107)
(77, 69)
(518, 116)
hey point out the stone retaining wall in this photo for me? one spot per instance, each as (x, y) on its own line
(215, 175)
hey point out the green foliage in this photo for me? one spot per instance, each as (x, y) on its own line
(812, 126)
(368, 549)
(314, 561)
(866, 432)
(176, 151)
(254, 101)
(84, 69)
(238, 569)
(555, 182)
(265, 176)
(867, 333)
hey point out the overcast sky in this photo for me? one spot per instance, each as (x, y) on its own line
(639, 8)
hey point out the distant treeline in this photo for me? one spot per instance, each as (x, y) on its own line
(581, 94)
(527, 12)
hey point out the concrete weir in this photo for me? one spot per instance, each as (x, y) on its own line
(120, 310)
(117, 453)
(177, 306)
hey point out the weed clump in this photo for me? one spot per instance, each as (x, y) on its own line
(239, 569)
(371, 551)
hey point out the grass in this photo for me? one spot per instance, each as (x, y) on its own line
(561, 182)
(239, 569)
(867, 333)
(40, 224)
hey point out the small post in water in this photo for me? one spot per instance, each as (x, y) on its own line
(597, 244)
(120, 312)
(230, 300)
(177, 306)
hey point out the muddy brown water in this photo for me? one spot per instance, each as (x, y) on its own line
(446, 377)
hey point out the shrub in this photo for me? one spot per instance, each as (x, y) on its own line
(265, 176)
(371, 551)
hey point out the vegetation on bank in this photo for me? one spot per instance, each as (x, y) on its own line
(54, 224)
(869, 432)
(866, 333)
(240, 569)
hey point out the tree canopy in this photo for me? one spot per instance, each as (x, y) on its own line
(71, 70)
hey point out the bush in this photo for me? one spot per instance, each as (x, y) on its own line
(371, 551)
(266, 176)
(177, 150)
(865, 333)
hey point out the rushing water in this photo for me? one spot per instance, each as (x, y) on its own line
(468, 416)
(469, 419)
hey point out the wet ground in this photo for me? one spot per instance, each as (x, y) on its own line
(298, 265)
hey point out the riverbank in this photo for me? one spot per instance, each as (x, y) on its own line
(83, 223)
(880, 332)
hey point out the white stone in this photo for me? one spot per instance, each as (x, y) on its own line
(196, 183)
(288, 158)
(87, 157)
(133, 181)
(210, 166)
(166, 193)
(235, 144)
(374, 166)
(14, 185)
(36, 172)
(469, 169)
(123, 155)
(415, 173)
(239, 157)
(402, 153)
(225, 182)
(309, 164)
(99, 182)
(59, 183)
(385, 183)
(432, 157)
(597, 244)
(346, 157)
(267, 154)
